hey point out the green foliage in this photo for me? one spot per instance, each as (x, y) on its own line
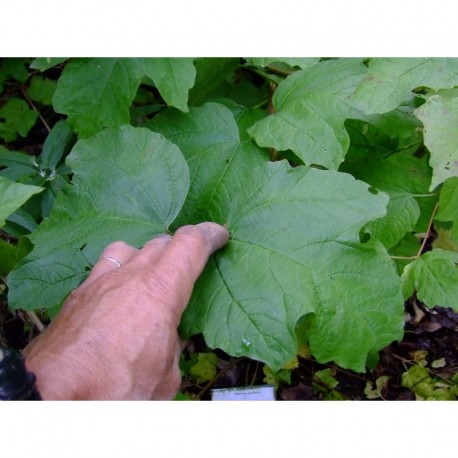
(47, 170)
(310, 113)
(389, 82)
(369, 151)
(45, 63)
(428, 387)
(105, 167)
(440, 117)
(42, 89)
(201, 367)
(434, 276)
(276, 377)
(18, 119)
(97, 93)
(13, 195)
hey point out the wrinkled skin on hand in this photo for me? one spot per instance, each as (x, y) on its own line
(116, 335)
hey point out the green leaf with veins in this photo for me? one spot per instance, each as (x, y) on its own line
(214, 76)
(19, 118)
(294, 250)
(97, 93)
(42, 89)
(434, 276)
(302, 62)
(13, 195)
(129, 184)
(390, 175)
(448, 205)
(390, 81)
(45, 63)
(310, 112)
(440, 118)
(173, 78)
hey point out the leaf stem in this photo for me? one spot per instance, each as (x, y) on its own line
(425, 238)
(259, 105)
(406, 258)
(278, 71)
(29, 100)
(36, 321)
(428, 230)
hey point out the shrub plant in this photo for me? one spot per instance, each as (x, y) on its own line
(337, 179)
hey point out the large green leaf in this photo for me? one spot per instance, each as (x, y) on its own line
(390, 81)
(129, 184)
(97, 93)
(391, 175)
(13, 195)
(212, 74)
(310, 112)
(294, 250)
(173, 78)
(440, 118)
(435, 278)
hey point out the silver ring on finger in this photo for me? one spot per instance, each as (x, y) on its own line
(109, 258)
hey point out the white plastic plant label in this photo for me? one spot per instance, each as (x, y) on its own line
(245, 393)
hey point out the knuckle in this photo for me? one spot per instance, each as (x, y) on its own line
(191, 234)
(161, 239)
(117, 245)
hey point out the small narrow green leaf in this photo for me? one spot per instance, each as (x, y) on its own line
(435, 278)
(310, 112)
(173, 78)
(45, 63)
(13, 195)
(440, 117)
(129, 184)
(55, 145)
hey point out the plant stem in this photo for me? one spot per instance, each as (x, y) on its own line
(278, 71)
(406, 258)
(29, 100)
(259, 105)
(425, 238)
(428, 230)
(36, 321)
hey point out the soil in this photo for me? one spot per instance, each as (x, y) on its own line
(430, 340)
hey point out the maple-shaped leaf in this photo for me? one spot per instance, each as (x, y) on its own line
(294, 250)
(129, 184)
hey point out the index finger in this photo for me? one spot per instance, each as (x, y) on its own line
(184, 259)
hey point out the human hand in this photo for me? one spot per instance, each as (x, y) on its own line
(116, 335)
